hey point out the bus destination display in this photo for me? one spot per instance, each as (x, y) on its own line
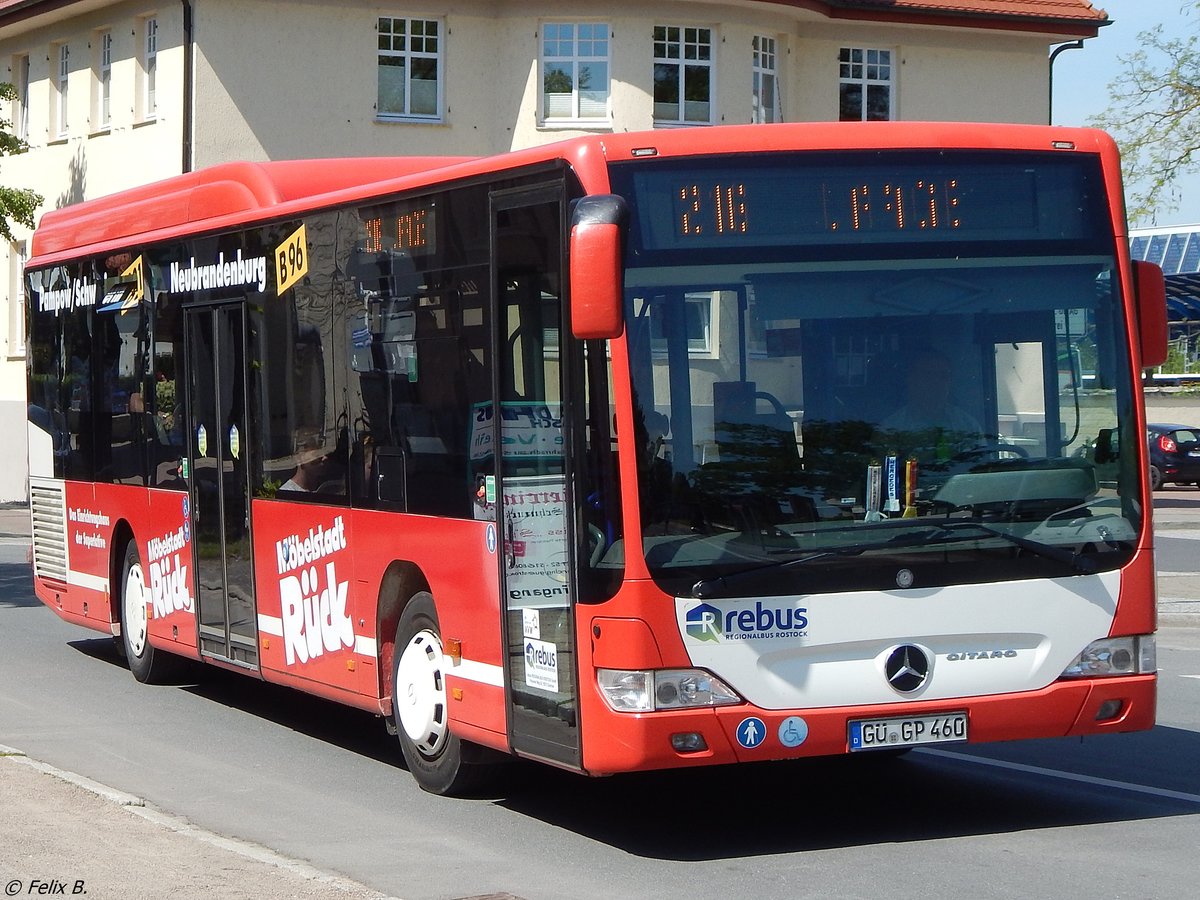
(768, 201)
(407, 227)
(713, 209)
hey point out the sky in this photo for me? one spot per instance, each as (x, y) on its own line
(1081, 77)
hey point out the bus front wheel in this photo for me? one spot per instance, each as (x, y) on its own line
(440, 761)
(148, 665)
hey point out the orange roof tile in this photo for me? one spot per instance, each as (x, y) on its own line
(1025, 9)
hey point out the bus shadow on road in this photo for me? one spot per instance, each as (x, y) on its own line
(343, 726)
(351, 729)
(819, 804)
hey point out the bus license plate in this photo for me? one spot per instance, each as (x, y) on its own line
(911, 731)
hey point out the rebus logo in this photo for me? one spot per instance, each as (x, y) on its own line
(708, 623)
(704, 623)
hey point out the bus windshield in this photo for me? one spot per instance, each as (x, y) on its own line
(877, 370)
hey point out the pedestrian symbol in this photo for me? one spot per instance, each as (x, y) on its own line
(751, 731)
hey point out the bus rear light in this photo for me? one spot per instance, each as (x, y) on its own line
(638, 690)
(1115, 656)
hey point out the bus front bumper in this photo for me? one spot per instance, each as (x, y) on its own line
(626, 742)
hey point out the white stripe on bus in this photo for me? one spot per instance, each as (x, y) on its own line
(482, 673)
(82, 579)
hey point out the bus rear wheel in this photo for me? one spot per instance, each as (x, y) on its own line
(148, 665)
(440, 761)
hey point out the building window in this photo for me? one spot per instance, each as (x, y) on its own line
(103, 44)
(61, 55)
(866, 84)
(20, 69)
(410, 68)
(683, 70)
(17, 254)
(575, 70)
(151, 68)
(700, 324)
(766, 82)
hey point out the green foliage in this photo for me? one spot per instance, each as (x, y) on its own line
(16, 204)
(1154, 101)
(164, 400)
(1176, 360)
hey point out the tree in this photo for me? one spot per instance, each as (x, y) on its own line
(16, 204)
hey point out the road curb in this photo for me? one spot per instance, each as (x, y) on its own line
(112, 795)
(245, 849)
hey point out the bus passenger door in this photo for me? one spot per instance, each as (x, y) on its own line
(534, 500)
(218, 478)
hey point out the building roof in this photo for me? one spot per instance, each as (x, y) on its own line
(1080, 17)
(1040, 9)
(1077, 16)
(1177, 250)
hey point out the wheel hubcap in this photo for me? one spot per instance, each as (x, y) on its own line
(420, 693)
(135, 609)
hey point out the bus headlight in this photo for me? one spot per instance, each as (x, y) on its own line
(1115, 656)
(635, 690)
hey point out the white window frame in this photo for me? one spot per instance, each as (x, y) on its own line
(61, 60)
(867, 68)
(18, 252)
(20, 114)
(552, 41)
(149, 69)
(701, 308)
(408, 54)
(686, 47)
(103, 111)
(765, 65)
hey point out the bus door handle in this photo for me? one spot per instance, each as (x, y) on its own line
(510, 540)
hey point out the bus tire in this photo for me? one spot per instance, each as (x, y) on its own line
(440, 761)
(148, 665)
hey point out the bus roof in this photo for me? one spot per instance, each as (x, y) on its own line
(185, 202)
(238, 194)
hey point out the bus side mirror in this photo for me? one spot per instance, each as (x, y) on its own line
(597, 233)
(1151, 290)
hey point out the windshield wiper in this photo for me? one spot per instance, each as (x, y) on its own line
(1079, 564)
(711, 587)
(943, 532)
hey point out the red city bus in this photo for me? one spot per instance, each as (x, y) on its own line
(628, 452)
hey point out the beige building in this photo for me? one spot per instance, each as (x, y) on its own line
(113, 94)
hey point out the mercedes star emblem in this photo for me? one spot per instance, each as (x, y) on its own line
(907, 668)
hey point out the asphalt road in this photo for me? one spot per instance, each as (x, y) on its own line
(1117, 816)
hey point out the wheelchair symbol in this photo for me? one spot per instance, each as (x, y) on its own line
(793, 731)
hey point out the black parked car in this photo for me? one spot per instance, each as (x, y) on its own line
(1174, 454)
